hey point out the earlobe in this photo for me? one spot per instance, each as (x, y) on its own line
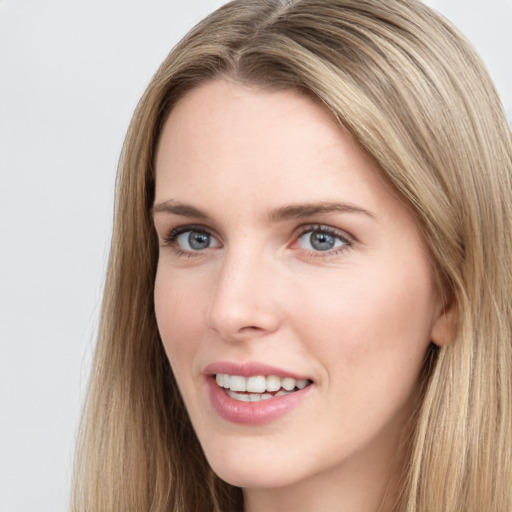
(444, 327)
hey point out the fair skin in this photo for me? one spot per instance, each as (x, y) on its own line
(283, 252)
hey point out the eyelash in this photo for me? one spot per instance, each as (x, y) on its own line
(347, 241)
(171, 239)
(345, 238)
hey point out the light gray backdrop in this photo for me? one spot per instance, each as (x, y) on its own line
(71, 73)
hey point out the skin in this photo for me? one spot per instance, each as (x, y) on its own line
(356, 319)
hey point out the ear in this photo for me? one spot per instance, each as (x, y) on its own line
(444, 326)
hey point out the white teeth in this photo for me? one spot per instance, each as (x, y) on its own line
(254, 397)
(301, 384)
(237, 383)
(273, 383)
(288, 383)
(258, 384)
(239, 396)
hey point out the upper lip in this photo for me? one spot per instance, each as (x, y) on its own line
(250, 369)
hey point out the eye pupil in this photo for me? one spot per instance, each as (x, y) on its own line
(198, 241)
(322, 241)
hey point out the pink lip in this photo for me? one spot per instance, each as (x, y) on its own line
(251, 413)
(249, 369)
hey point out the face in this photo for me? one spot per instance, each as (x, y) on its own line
(294, 294)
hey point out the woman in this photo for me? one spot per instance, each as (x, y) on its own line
(308, 301)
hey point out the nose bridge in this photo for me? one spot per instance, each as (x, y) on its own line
(242, 305)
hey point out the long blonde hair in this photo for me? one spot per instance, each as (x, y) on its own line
(418, 99)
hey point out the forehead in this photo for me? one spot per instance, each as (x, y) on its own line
(236, 145)
(229, 120)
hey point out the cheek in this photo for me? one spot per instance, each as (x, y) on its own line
(178, 310)
(376, 324)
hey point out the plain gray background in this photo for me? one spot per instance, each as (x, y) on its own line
(71, 73)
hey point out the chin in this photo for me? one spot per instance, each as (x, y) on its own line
(248, 471)
(251, 478)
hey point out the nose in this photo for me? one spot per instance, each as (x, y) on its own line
(244, 305)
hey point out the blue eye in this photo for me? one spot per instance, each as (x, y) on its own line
(321, 240)
(192, 240)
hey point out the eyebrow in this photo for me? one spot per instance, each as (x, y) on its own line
(297, 211)
(300, 211)
(184, 210)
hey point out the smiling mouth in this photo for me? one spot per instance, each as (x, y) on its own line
(258, 387)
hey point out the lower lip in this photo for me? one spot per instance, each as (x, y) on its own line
(253, 413)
